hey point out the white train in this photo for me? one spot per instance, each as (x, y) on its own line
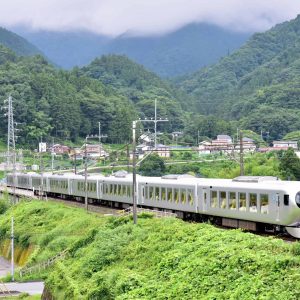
(252, 203)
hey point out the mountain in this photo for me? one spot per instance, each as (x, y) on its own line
(16, 43)
(176, 53)
(257, 84)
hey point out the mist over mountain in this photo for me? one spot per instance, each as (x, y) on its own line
(173, 54)
(17, 43)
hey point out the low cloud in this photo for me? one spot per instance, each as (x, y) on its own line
(145, 17)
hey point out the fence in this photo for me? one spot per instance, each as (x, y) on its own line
(43, 265)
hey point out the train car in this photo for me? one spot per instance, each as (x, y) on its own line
(172, 192)
(117, 188)
(77, 187)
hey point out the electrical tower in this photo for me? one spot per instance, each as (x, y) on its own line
(11, 145)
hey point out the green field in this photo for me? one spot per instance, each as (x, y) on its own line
(110, 258)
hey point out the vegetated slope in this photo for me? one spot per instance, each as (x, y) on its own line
(141, 86)
(16, 43)
(184, 50)
(258, 84)
(69, 104)
(110, 258)
(50, 102)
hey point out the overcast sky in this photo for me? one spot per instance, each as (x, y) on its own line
(145, 17)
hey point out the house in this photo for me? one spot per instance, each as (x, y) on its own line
(162, 150)
(75, 154)
(147, 138)
(248, 145)
(143, 149)
(224, 144)
(284, 145)
(93, 151)
(59, 149)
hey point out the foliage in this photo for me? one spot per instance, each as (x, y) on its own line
(152, 165)
(156, 259)
(258, 85)
(289, 164)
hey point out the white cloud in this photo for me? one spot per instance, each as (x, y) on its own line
(145, 17)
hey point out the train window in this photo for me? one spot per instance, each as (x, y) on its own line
(128, 191)
(242, 201)
(190, 197)
(264, 203)
(124, 190)
(163, 194)
(119, 190)
(232, 200)
(214, 199)
(176, 195)
(205, 199)
(170, 194)
(157, 194)
(286, 199)
(183, 196)
(151, 192)
(253, 202)
(223, 199)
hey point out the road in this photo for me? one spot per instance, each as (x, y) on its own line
(4, 267)
(32, 288)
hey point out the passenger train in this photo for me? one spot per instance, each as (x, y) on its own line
(259, 203)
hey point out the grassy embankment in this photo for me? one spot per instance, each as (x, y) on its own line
(109, 258)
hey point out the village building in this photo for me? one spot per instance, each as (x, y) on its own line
(284, 145)
(93, 151)
(59, 149)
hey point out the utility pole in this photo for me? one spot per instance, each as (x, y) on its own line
(85, 176)
(134, 199)
(127, 148)
(42, 175)
(241, 154)
(155, 123)
(12, 250)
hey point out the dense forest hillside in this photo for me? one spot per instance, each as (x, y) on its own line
(69, 104)
(16, 43)
(185, 50)
(258, 84)
(140, 86)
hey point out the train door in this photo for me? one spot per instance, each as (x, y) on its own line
(143, 193)
(70, 185)
(203, 199)
(99, 189)
(277, 203)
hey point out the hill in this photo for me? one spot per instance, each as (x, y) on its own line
(69, 104)
(110, 258)
(176, 53)
(140, 86)
(16, 43)
(257, 84)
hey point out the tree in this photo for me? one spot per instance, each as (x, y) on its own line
(289, 164)
(153, 165)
